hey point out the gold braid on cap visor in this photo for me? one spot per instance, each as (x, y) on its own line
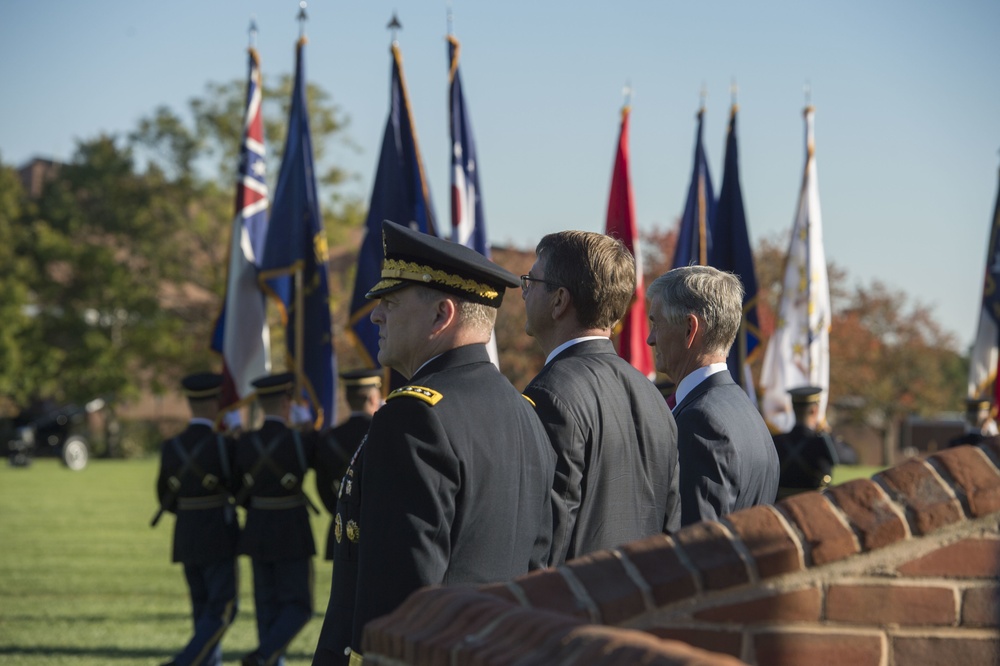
(406, 270)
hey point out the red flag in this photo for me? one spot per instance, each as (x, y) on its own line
(633, 329)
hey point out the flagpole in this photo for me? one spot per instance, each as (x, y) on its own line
(299, 268)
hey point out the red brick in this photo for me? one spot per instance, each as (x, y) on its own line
(891, 604)
(975, 477)
(768, 540)
(870, 512)
(981, 607)
(434, 645)
(520, 633)
(798, 606)
(969, 558)
(714, 640)
(501, 590)
(711, 551)
(548, 589)
(616, 595)
(661, 568)
(929, 501)
(424, 607)
(600, 646)
(945, 651)
(777, 648)
(991, 447)
(826, 536)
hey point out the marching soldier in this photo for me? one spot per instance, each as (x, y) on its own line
(363, 392)
(195, 482)
(271, 463)
(807, 455)
(451, 485)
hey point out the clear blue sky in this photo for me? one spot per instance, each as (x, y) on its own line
(907, 97)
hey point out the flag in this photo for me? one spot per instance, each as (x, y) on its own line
(400, 194)
(984, 357)
(798, 353)
(731, 251)
(694, 243)
(296, 243)
(241, 334)
(468, 223)
(634, 327)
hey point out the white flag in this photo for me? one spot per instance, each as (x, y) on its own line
(798, 353)
(983, 360)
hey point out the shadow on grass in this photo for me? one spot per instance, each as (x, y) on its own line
(115, 653)
(71, 619)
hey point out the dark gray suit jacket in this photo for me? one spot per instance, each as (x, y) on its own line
(727, 456)
(616, 442)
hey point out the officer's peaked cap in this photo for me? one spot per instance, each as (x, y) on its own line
(803, 395)
(412, 257)
(273, 384)
(202, 385)
(363, 377)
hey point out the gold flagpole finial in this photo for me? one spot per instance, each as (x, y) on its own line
(627, 94)
(702, 96)
(734, 91)
(253, 32)
(394, 25)
(450, 17)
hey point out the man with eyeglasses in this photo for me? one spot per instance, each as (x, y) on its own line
(615, 439)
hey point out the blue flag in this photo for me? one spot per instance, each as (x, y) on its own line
(296, 242)
(400, 194)
(468, 225)
(731, 251)
(694, 243)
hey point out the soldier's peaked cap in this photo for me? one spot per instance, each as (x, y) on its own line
(412, 257)
(803, 395)
(272, 384)
(364, 377)
(202, 385)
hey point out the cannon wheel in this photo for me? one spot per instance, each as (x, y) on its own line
(75, 453)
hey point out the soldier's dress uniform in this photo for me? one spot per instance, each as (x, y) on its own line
(806, 457)
(451, 485)
(195, 482)
(336, 447)
(271, 464)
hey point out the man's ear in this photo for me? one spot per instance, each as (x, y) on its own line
(693, 328)
(561, 302)
(445, 314)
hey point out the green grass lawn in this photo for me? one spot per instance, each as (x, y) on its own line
(84, 580)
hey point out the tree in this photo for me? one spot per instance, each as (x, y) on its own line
(117, 271)
(15, 310)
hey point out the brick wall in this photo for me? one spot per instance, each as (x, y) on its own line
(900, 569)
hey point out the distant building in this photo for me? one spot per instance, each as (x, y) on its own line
(36, 173)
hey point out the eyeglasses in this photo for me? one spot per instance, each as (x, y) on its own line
(525, 279)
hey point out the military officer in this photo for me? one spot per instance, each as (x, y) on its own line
(271, 463)
(363, 392)
(806, 454)
(195, 482)
(451, 485)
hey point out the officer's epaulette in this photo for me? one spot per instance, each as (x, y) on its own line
(430, 396)
(529, 400)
